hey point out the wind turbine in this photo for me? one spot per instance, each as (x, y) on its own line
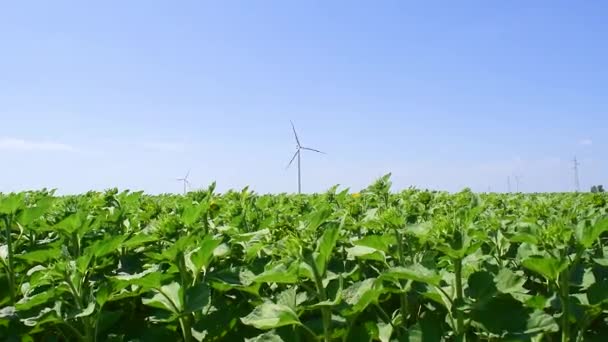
(299, 149)
(517, 179)
(185, 181)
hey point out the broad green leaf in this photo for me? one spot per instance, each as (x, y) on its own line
(414, 272)
(200, 258)
(83, 262)
(71, 223)
(379, 242)
(588, 279)
(150, 278)
(86, 311)
(537, 302)
(460, 245)
(587, 235)
(481, 285)
(305, 270)
(325, 247)
(438, 297)
(177, 248)
(361, 294)
(197, 297)
(427, 329)
(268, 316)
(7, 312)
(393, 218)
(41, 255)
(103, 294)
(279, 274)
(540, 322)
(370, 215)
(258, 235)
(31, 214)
(11, 203)
(385, 331)
(168, 297)
(500, 315)
(27, 303)
(234, 278)
(420, 230)
(601, 261)
(107, 246)
(270, 336)
(549, 268)
(365, 253)
(3, 252)
(317, 218)
(221, 251)
(524, 237)
(526, 232)
(598, 292)
(526, 250)
(138, 240)
(330, 302)
(288, 298)
(509, 282)
(108, 319)
(46, 315)
(193, 213)
(366, 331)
(199, 335)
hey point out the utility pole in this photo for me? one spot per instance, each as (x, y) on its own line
(577, 186)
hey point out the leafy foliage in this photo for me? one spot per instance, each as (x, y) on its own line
(373, 265)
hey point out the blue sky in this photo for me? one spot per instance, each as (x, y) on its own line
(444, 95)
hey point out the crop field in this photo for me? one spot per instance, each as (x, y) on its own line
(375, 265)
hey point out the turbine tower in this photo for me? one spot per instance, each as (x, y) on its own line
(299, 149)
(185, 181)
(517, 182)
(577, 186)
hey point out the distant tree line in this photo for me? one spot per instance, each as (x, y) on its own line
(597, 188)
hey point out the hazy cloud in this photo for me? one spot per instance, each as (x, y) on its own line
(585, 142)
(29, 145)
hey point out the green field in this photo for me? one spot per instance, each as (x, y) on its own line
(340, 266)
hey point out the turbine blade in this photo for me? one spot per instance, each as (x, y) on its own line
(312, 149)
(294, 132)
(293, 158)
(187, 174)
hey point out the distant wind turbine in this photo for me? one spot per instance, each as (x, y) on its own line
(299, 149)
(517, 182)
(185, 181)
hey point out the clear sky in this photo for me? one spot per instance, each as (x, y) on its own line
(442, 94)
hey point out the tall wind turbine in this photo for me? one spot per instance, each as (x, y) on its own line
(299, 149)
(185, 181)
(577, 186)
(517, 181)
